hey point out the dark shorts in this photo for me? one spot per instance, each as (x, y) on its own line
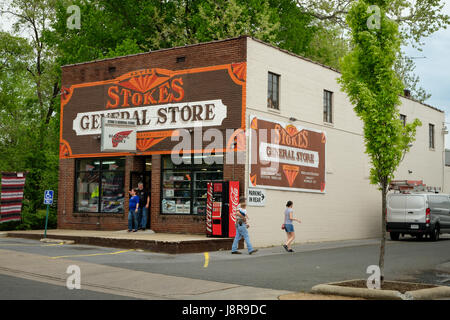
(289, 227)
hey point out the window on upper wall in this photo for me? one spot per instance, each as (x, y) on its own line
(327, 106)
(403, 119)
(273, 91)
(99, 185)
(431, 135)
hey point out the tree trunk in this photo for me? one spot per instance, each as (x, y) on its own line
(383, 232)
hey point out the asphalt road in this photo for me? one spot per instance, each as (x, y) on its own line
(13, 288)
(311, 264)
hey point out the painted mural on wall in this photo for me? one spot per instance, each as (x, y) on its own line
(285, 156)
(161, 101)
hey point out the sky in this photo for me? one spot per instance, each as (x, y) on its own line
(434, 70)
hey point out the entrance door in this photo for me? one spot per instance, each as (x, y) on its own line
(146, 178)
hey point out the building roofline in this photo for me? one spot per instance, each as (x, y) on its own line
(422, 103)
(333, 69)
(296, 55)
(233, 39)
(152, 51)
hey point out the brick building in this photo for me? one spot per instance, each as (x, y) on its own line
(93, 185)
(228, 85)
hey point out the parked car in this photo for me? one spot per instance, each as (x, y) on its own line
(418, 214)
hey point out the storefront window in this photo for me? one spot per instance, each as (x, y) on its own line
(184, 185)
(100, 185)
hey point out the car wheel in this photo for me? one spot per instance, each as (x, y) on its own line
(435, 234)
(394, 236)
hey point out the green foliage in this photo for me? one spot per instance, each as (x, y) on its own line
(296, 30)
(404, 67)
(32, 220)
(30, 67)
(417, 19)
(371, 83)
(29, 88)
(373, 87)
(328, 46)
(114, 27)
(231, 18)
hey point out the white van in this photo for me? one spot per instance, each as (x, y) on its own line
(418, 214)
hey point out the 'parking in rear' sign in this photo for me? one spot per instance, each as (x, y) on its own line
(256, 197)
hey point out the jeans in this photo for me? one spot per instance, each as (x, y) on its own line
(241, 232)
(142, 218)
(139, 217)
(132, 219)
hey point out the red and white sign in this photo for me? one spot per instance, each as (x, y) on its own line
(233, 207)
(209, 208)
(118, 135)
(234, 200)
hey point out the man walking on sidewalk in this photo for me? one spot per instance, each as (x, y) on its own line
(241, 229)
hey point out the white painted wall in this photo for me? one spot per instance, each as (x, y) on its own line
(447, 179)
(351, 207)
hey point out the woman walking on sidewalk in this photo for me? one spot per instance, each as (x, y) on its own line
(288, 226)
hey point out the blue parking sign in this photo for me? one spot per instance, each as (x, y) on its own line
(48, 197)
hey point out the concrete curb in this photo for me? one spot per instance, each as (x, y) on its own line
(422, 294)
(171, 247)
(48, 240)
(330, 289)
(3, 234)
(430, 294)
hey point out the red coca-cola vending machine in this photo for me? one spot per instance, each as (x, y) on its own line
(222, 201)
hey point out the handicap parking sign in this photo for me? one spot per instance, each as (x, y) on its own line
(48, 197)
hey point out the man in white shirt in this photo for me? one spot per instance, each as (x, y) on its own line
(241, 229)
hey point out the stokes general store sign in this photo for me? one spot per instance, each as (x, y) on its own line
(149, 118)
(160, 101)
(287, 157)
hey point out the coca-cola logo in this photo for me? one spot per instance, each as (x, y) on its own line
(119, 137)
(234, 199)
(209, 208)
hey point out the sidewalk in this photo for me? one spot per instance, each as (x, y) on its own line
(126, 282)
(145, 240)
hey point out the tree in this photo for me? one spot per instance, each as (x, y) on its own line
(417, 19)
(115, 27)
(29, 89)
(221, 19)
(373, 87)
(404, 66)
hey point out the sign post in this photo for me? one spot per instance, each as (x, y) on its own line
(48, 200)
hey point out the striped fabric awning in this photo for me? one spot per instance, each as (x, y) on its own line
(11, 196)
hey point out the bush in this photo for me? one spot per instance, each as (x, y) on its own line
(32, 220)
